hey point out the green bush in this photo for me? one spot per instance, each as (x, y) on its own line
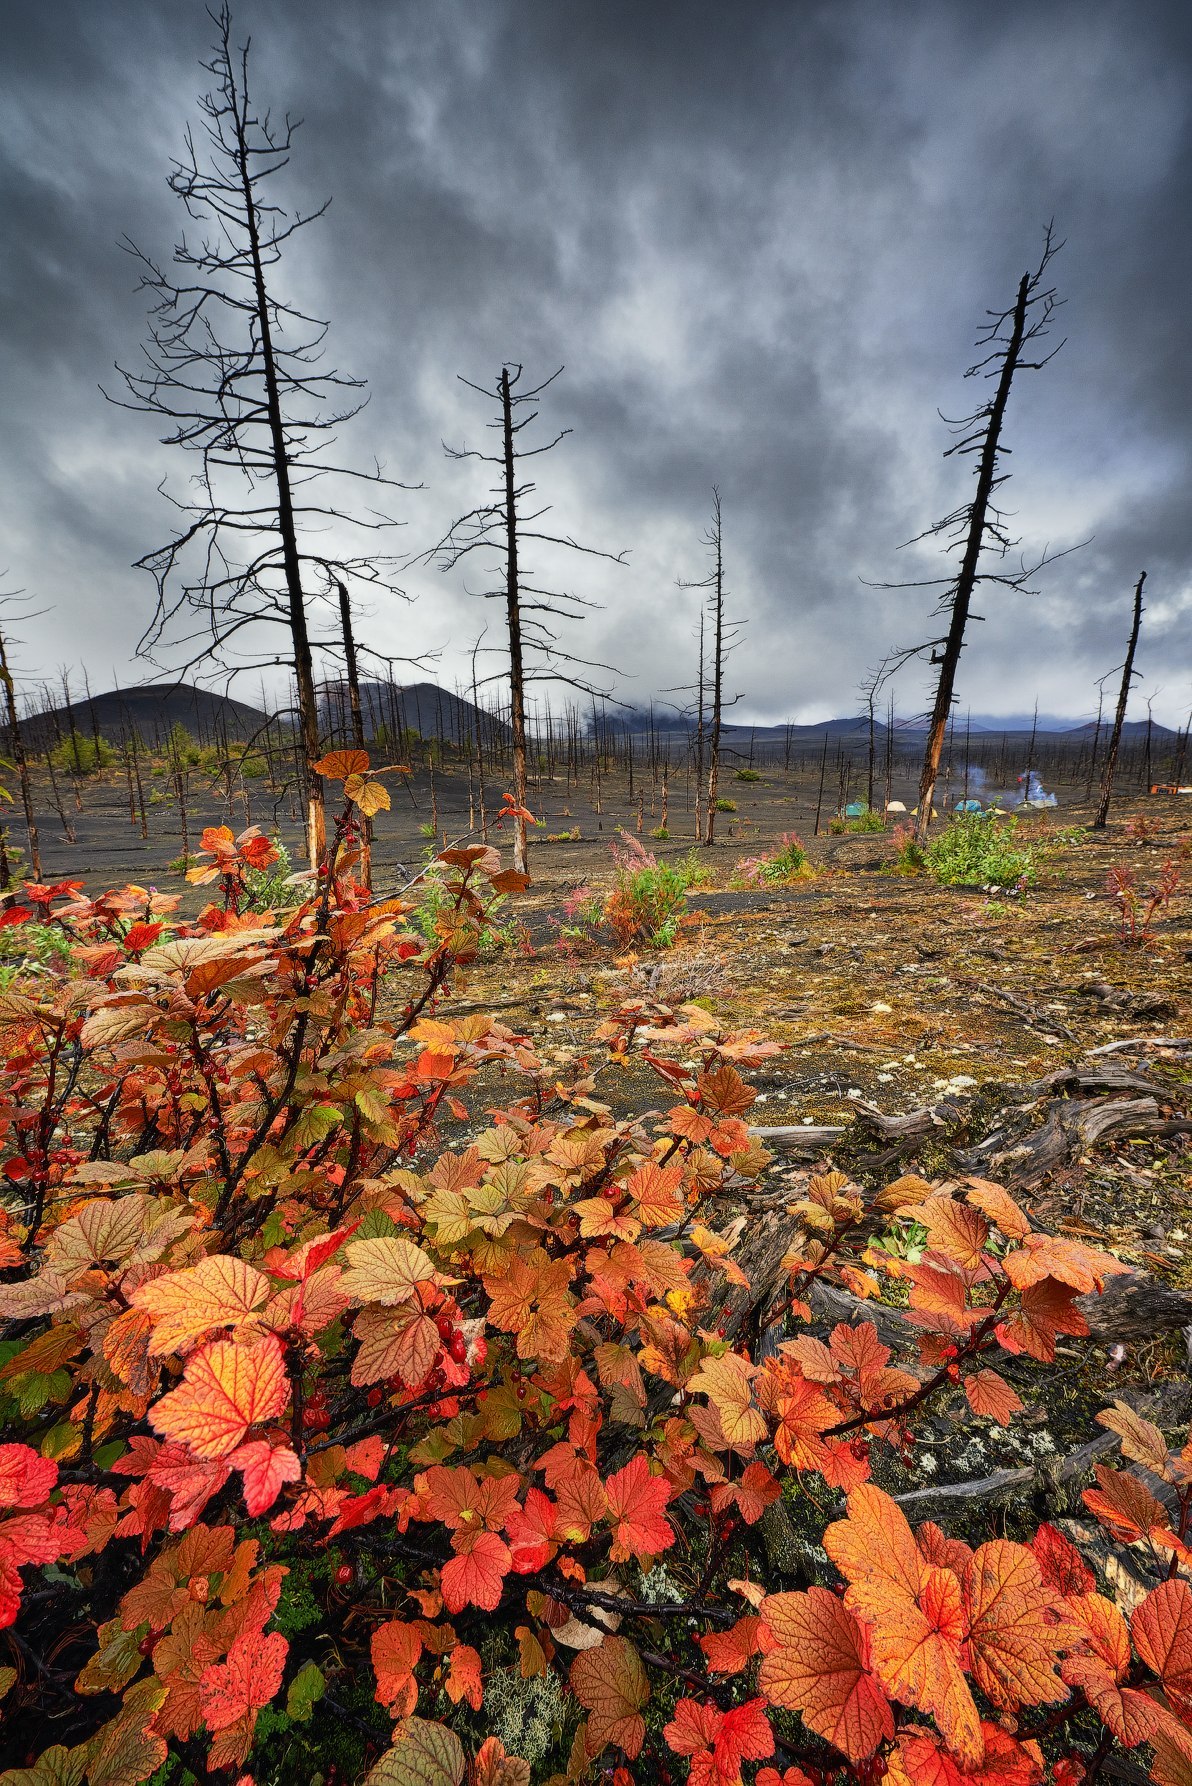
(975, 851)
(726, 806)
(79, 755)
(660, 834)
(268, 888)
(747, 775)
(784, 863)
(648, 896)
(23, 945)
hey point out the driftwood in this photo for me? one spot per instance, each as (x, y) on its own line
(1134, 1306)
(952, 1498)
(1069, 1129)
(1142, 1042)
(800, 1137)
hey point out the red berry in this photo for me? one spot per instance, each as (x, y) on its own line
(147, 1644)
(446, 1327)
(344, 1575)
(521, 1392)
(458, 1347)
(374, 1398)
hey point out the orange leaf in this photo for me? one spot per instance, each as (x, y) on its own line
(1047, 1309)
(248, 1680)
(1124, 1505)
(988, 1394)
(611, 1685)
(387, 1269)
(396, 1648)
(464, 1678)
(915, 1613)
(755, 1491)
(337, 765)
(265, 1468)
(1013, 1650)
(726, 1383)
(475, 1576)
(184, 1306)
(731, 1651)
(635, 1503)
(1141, 1442)
(1162, 1629)
(999, 1206)
(956, 1230)
(225, 1390)
(1061, 1564)
(820, 1668)
(921, 1760)
(531, 1301)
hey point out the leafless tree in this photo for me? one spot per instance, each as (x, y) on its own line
(500, 530)
(725, 637)
(977, 529)
(236, 372)
(1119, 718)
(16, 745)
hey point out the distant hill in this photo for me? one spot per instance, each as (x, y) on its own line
(421, 707)
(151, 712)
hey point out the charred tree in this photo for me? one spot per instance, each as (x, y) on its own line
(236, 373)
(500, 531)
(978, 527)
(1119, 717)
(725, 636)
(20, 760)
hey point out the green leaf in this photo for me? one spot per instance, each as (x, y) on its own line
(105, 1456)
(424, 1754)
(375, 1226)
(55, 1766)
(316, 1121)
(306, 1689)
(115, 1661)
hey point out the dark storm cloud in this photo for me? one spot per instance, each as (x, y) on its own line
(759, 237)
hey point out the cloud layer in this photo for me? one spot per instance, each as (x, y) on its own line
(760, 240)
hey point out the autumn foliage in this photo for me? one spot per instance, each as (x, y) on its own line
(352, 1357)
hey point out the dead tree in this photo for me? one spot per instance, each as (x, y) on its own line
(978, 527)
(16, 747)
(237, 375)
(725, 637)
(1119, 718)
(500, 530)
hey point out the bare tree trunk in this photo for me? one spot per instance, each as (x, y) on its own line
(517, 691)
(304, 676)
(1119, 718)
(699, 740)
(345, 621)
(978, 520)
(17, 747)
(717, 674)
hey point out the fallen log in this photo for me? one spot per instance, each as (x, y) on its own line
(1135, 1306)
(951, 1498)
(800, 1137)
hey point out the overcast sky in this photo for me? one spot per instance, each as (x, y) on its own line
(759, 237)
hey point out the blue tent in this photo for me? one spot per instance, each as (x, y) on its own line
(969, 806)
(856, 809)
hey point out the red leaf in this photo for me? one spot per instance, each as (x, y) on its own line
(475, 1576)
(265, 1468)
(635, 1504)
(248, 1680)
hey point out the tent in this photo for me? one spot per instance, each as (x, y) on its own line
(969, 806)
(895, 806)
